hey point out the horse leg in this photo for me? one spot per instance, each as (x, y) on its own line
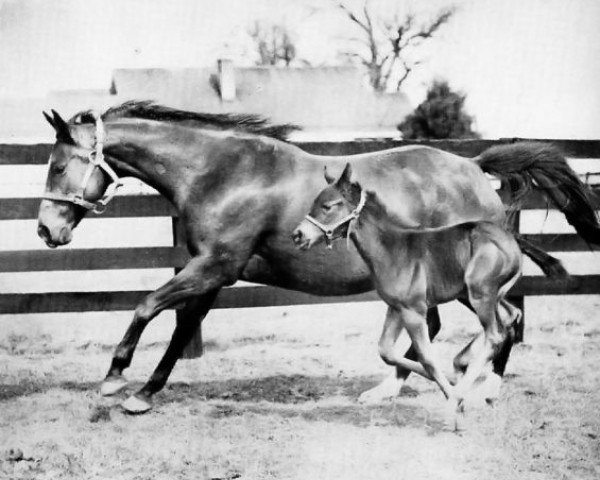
(390, 387)
(186, 325)
(115, 381)
(200, 276)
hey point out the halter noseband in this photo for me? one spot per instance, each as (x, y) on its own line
(96, 159)
(329, 230)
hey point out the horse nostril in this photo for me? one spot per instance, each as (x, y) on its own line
(297, 236)
(43, 232)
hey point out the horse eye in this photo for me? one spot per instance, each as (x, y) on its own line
(326, 207)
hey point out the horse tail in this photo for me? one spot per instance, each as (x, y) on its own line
(524, 165)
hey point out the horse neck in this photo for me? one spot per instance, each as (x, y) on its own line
(168, 157)
(368, 231)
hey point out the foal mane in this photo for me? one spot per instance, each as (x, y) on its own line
(149, 110)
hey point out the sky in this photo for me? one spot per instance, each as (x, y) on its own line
(530, 68)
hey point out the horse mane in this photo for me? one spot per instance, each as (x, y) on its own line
(149, 110)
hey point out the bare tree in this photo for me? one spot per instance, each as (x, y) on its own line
(273, 43)
(386, 43)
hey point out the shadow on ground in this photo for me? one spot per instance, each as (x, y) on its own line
(280, 389)
(397, 414)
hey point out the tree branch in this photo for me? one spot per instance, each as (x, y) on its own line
(429, 31)
(386, 40)
(353, 17)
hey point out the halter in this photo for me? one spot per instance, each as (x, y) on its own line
(329, 230)
(96, 159)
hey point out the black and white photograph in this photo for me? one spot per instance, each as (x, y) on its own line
(299, 239)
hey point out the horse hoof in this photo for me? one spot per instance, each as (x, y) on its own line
(136, 405)
(112, 385)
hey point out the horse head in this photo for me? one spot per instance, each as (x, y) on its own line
(78, 178)
(332, 211)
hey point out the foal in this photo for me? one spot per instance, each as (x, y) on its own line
(416, 269)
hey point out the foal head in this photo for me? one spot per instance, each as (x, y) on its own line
(336, 206)
(74, 185)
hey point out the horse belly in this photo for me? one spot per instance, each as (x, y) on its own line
(447, 258)
(319, 271)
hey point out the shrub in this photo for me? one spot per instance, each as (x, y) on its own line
(440, 116)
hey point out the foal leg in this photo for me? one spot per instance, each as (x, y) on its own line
(416, 326)
(488, 277)
(195, 310)
(489, 389)
(391, 385)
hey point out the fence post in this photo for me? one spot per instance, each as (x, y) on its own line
(194, 348)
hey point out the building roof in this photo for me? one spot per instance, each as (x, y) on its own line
(314, 98)
(327, 102)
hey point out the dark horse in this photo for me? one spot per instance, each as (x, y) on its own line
(240, 189)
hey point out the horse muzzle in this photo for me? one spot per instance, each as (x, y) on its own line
(56, 237)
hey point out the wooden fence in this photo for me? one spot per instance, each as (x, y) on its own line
(248, 296)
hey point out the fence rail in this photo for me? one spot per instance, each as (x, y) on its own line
(248, 296)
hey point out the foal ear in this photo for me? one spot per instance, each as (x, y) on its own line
(345, 177)
(62, 129)
(328, 178)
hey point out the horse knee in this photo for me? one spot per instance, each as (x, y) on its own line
(144, 311)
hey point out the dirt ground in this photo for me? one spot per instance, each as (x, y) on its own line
(275, 397)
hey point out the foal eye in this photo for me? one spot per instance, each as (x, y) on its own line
(59, 169)
(328, 206)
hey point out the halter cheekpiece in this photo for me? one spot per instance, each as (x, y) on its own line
(95, 159)
(330, 229)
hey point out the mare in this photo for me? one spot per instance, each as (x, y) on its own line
(416, 269)
(240, 188)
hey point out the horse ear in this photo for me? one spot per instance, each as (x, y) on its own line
(345, 176)
(49, 120)
(62, 129)
(328, 178)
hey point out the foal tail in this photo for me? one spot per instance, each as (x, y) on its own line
(525, 165)
(551, 266)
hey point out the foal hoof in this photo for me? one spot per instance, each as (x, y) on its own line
(454, 415)
(136, 405)
(488, 391)
(112, 385)
(388, 389)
